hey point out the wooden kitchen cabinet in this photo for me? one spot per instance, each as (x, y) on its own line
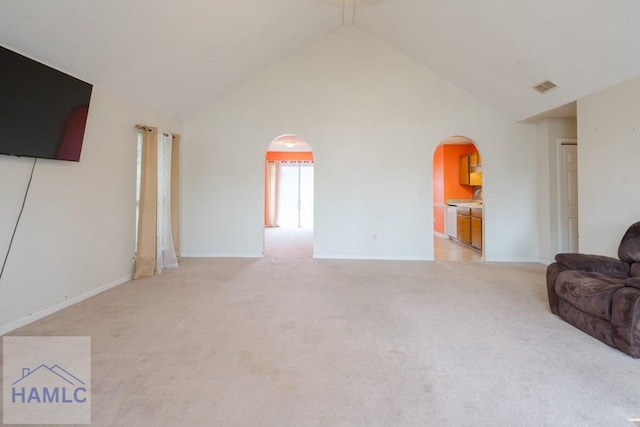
(470, 170)
(474, 160)
(469, 226)
(476, 228)
(464, 170)
(464, 225)
(476, 233)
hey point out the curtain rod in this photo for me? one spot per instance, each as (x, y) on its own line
(145, 127)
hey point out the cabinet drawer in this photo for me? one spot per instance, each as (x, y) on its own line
(464, 211)
(476, 212)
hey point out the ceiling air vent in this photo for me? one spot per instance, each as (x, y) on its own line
(545, 86)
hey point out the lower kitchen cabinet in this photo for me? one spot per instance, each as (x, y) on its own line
(476, 228)
(476, 233)
(464, 225)
(469, 226)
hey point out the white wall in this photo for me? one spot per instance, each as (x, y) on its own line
(76, 234)
(373, 118)
(608, 159)
(549, 131)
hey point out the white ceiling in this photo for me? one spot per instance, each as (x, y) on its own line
(496, 50)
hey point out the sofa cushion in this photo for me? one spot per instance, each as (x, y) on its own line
(629, 249)
(589, 292)
(597, 263)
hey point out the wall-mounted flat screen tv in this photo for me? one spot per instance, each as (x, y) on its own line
(43, 112)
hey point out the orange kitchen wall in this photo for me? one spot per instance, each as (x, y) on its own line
(281, 155)
(452, 187)
(446, 179)
(438, 189)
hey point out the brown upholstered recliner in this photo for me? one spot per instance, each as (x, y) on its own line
(600, 294)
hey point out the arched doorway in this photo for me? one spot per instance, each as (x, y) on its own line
(458, 211)
(288, 205)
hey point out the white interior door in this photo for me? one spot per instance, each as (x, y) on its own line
(568, 198)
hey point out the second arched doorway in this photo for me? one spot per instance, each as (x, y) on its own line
(289, 198)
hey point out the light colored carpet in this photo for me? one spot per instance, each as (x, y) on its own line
(304, 342)
(284, 242)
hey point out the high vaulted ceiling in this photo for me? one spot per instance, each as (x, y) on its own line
(179, 55)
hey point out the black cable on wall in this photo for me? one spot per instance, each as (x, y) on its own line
(24, 200)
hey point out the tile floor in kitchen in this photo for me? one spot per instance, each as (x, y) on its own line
(446, 249)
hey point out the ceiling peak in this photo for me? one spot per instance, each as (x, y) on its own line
(348, 12)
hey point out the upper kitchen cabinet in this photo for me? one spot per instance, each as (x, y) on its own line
(474, 160)
(471, 170)
(464, 170)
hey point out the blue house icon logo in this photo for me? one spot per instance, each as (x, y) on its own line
(47, 385)
(47, 380)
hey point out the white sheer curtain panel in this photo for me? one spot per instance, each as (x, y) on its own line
(165, 252)
(295, 201)
(288, 196)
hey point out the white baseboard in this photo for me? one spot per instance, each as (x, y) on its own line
(513, 261)
(220, 255)
(368, 258)
(32, 317)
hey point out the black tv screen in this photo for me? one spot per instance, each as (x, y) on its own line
(43, 111)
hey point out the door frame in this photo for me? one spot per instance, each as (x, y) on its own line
(281, 145)
(560, 211)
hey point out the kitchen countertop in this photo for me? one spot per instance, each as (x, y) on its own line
(465, 203)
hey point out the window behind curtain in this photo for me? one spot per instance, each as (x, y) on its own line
(295, 204)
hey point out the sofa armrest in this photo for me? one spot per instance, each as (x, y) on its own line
(625, 320)
(553, 270)
(608, 266)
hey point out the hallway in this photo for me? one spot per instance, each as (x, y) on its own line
(284, 242)
(288, 242)
(446, 249)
